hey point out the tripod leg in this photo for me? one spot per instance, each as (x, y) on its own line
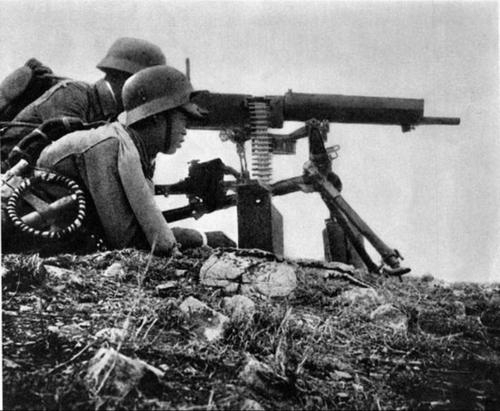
(354, 239)
(332, 198)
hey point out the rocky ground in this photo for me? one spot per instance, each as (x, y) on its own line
(125, 330)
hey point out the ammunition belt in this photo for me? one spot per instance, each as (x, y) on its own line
(261, 140)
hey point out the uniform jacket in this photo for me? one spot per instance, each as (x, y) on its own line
(110, 163)
(89, 102)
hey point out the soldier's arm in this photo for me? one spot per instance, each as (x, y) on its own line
(140, 195)
(123, 201)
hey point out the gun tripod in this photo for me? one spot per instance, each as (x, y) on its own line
(259, 223)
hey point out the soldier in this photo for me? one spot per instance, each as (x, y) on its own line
(112, 163)
(88, 102)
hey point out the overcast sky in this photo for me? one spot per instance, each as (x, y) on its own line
(433, 193)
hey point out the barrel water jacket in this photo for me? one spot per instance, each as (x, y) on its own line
(88, 102)
(110, 163)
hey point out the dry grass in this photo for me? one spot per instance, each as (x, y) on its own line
(321, 351)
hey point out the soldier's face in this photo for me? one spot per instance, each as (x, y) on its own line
(176, 130)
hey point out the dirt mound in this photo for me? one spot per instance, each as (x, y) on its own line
(332, 343)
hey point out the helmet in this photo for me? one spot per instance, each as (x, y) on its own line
(131, 55)
(157, 89)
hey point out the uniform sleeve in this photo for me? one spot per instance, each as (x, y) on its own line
(99, 171)
(140, 195)
(123, 200)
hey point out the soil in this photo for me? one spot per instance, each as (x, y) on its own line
(322, 350)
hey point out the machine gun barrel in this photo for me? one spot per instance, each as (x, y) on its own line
(231, 110)
(442, 121)
(352, 109)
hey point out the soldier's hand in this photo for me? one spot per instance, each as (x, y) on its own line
(187, 237)
(219, 239)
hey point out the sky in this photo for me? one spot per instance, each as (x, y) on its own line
(433, 193)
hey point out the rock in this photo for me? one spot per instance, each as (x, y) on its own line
(70, 332)
(306, 321)
(208, 322)
(112, 373)
(490, 317)
(9, 363)
(57, 272)
(223, 270)
(271, 279)
(342, 375)
(112, 335)
(389, 316)
(68, 276)
(436, 283)
(180, 273)
(192, 305)
(362, 296)
(459, 309)
(251, 405)
(164, 288)
(249, 275)
(115, 270)
(253, 372)
(239, 307)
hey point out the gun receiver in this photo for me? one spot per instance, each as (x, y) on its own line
(229, 111)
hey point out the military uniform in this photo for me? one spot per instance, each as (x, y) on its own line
(88, 102)
(112, 166)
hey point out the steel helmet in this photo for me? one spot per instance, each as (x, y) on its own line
(131, 55)
(157, 89)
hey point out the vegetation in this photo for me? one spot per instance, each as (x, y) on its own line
(436, 346)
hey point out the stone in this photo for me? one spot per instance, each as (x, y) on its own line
(252, 373)
(249, 275)
(115, 270)
(239, 307)
(165, 288)
(208, 322)
(9, 363)
(180, 273)
(112, 373)
(70, 332)
(306, 321)
(112, 334)
(251, 405)
(222, 270)
(271, 279)
(57, 272)
(362, 297)
(459, 309)
(68, 276)
(389, 316)
(342, 375)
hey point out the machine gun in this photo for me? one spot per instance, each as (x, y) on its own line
(242, 117)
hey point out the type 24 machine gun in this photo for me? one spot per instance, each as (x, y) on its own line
(242, 117)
